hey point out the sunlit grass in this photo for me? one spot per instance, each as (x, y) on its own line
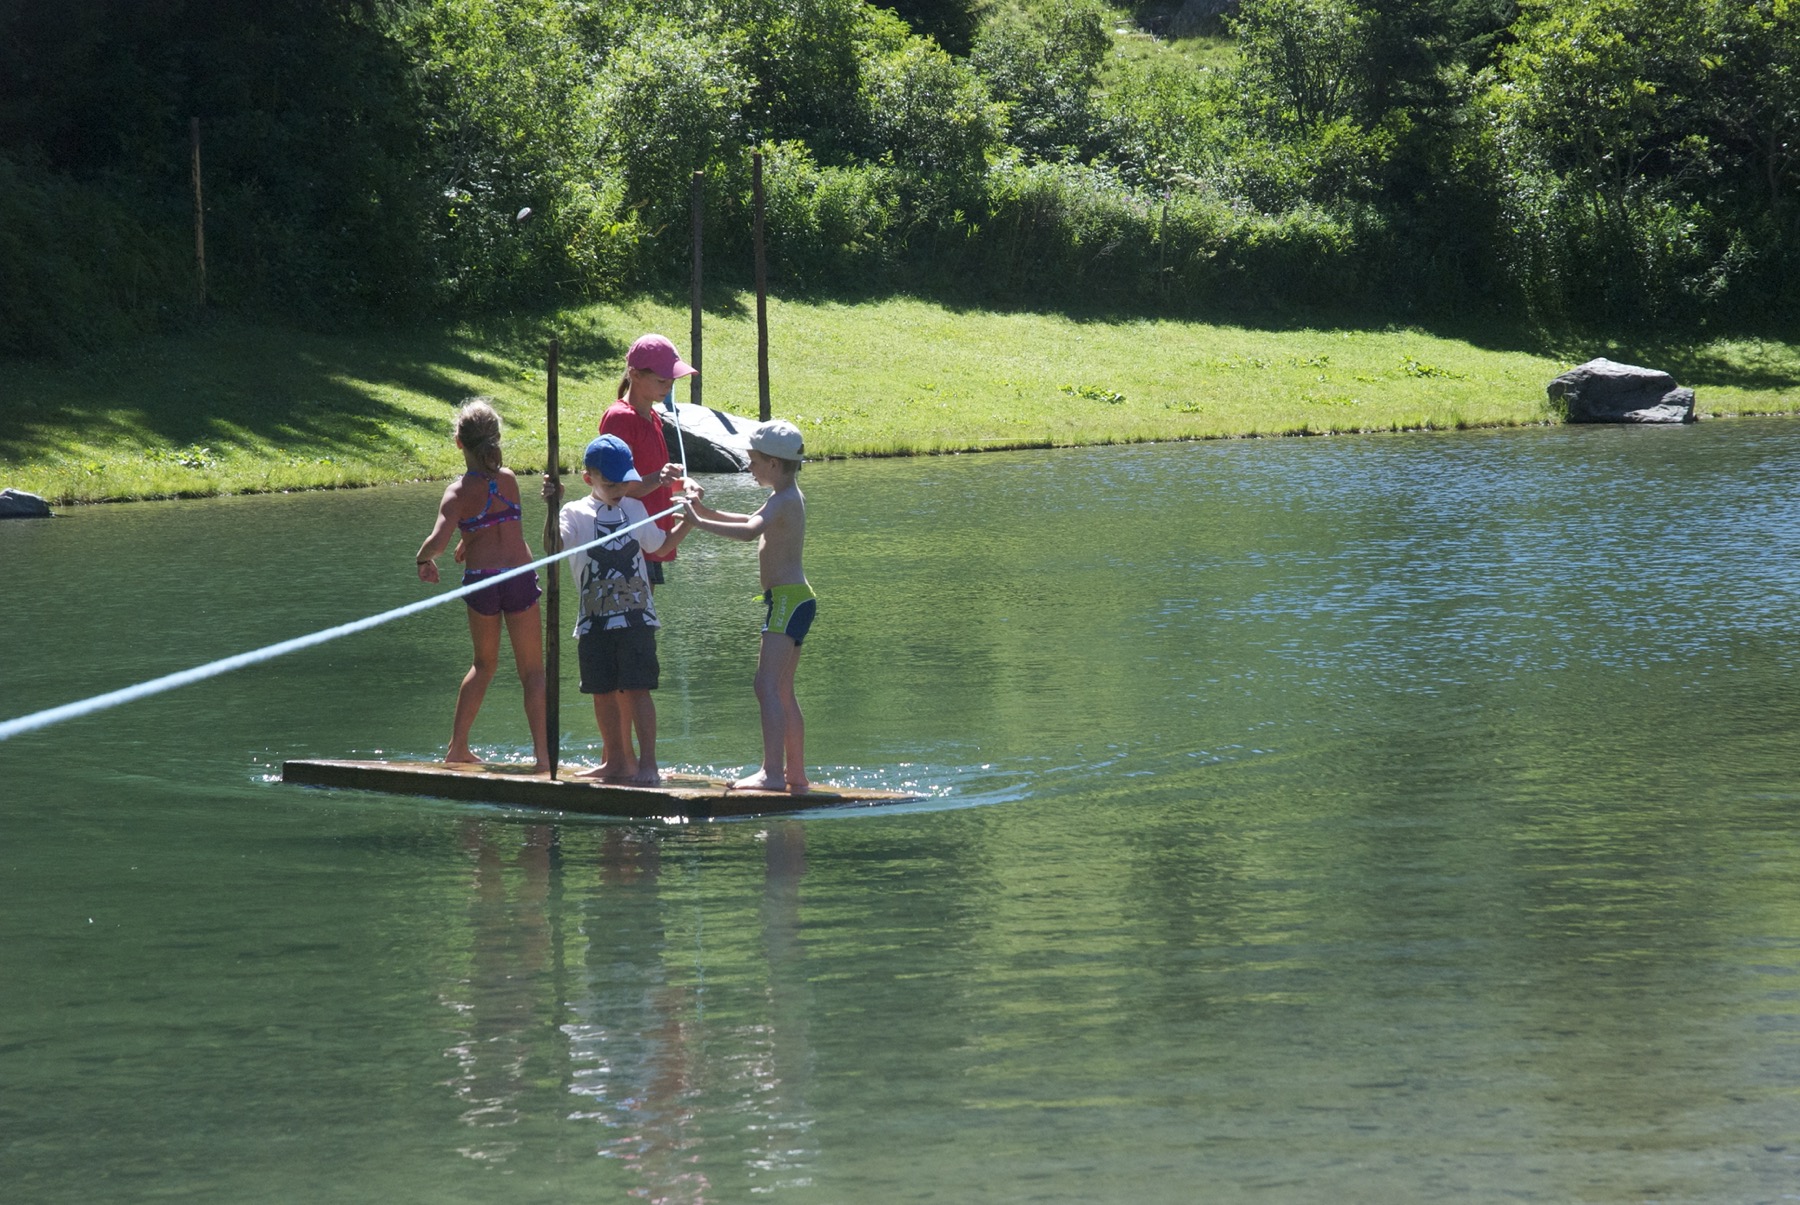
(1133, 46)
(236, 407)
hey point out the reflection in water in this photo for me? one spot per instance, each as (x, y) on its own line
(625, 976)
(633, 1036)
(503, 1002)
(783, 1067)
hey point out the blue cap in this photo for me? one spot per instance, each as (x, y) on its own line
(609, 457)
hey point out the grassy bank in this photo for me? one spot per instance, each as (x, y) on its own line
(233, 406)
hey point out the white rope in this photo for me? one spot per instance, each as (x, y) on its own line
(680, 443)
(70, 711)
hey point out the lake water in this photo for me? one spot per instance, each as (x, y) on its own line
(1378, 819)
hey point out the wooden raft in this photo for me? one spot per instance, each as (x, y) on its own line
(682, 796)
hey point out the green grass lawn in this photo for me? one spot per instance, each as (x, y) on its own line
(233, 406)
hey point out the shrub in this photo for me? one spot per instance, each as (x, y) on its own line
(1164, 125)
(1043, 64)
(1301, 60)
(1077, 233)
(825, 222)
(507, 128)
(600, 236)
(656, 134)
(803, 63)
(937, 125)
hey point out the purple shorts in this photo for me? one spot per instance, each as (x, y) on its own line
(513, 595)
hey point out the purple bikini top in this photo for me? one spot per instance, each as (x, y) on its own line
(508, 512)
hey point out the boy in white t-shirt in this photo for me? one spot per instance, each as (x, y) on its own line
(617, 628)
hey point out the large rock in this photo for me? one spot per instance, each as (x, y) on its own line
(17, 504)
(716, 442)
(1601, 391)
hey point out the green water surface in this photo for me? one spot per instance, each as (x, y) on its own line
(1408, 818)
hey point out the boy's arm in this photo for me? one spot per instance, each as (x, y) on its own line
(691, 500)
(700, 508)
(675, 535)
(565, 524)
(723, 523)
(669, 474)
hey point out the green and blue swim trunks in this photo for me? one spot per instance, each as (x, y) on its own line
(791, 610)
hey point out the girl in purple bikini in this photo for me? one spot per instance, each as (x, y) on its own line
(483, 505)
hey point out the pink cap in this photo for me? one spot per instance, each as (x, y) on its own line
(655, 354)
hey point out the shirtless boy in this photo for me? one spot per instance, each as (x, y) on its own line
(779, 529)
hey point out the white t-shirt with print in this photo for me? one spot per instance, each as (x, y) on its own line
(614, 585)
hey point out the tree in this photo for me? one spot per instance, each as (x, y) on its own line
(935, 123)
(1303, 59)
(1753, 98)
(1043, 64)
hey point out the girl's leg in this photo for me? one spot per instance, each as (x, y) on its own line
(773, 665)
(526, 631)
(484, 632)
(638, 710)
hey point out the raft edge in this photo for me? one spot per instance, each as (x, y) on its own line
(709, 798)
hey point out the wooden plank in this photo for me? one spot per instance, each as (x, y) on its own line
(682, 796)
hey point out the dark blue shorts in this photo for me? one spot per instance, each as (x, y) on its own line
(620, 659)
(513, 595)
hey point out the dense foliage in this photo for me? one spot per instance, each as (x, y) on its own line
(1587, 162)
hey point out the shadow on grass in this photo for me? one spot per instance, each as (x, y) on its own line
(587, 347)
(228, 383)
(1692, 359)
(233, 382)
(1489, 330)
(1771, 365)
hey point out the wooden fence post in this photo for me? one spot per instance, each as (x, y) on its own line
(695, 382)
(199, 216)
(552, 587)
(762, 298)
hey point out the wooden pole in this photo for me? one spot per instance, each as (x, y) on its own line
(762, 299)
(694, 382)
(553, 586)
(199, 215)
(1162, 248)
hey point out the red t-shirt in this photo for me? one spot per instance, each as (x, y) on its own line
(649, 453)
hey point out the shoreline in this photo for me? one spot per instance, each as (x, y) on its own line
(904, 455)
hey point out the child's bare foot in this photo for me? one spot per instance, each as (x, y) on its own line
(461, 757)
(646, 776)
(609, 771)
(540, 767)
(760, 781)
(798, 786)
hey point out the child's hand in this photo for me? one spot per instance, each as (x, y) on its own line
(671, 473)
(428, 571)
(553, 489)
(458, 556)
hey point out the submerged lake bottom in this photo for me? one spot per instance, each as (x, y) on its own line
(1398, 818)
